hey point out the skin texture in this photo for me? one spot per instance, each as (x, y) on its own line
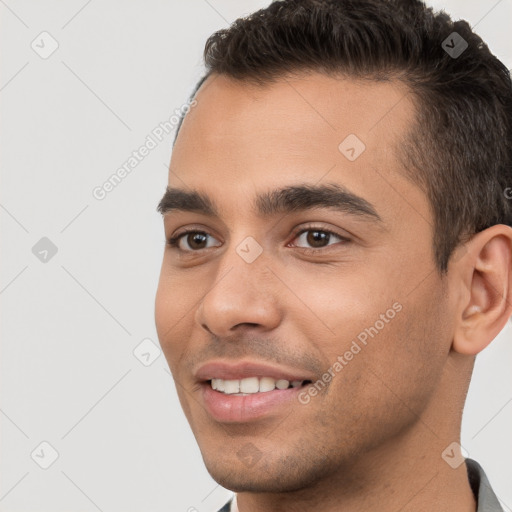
(373, 438)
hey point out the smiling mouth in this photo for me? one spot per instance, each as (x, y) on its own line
(253, 385)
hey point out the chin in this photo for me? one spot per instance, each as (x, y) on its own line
(272, 476)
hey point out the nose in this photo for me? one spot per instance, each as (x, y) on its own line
(241, 295)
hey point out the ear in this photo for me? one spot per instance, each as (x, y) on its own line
(484, 274)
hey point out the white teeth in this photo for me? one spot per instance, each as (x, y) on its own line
(218, 384)
(267, 384)
(231, 386)
(282, 384)
(251, 385)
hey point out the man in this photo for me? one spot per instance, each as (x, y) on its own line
(338, 218)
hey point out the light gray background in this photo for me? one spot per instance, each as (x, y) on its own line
(69, 326)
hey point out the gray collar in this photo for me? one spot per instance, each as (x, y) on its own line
(484, 495)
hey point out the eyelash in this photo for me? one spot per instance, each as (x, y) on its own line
(174, 241)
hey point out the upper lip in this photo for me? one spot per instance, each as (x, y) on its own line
(243, 369)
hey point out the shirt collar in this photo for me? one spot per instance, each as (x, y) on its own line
(484, 495)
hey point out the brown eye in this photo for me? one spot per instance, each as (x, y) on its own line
(318, 238)
(195, 240)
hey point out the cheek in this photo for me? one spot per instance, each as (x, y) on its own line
(170, 318)
(170, 330)
(163, 310)
(343, 308)
(175, 296)
(383, 343)
(397, 365)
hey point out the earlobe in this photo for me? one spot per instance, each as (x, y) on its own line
(485, 272)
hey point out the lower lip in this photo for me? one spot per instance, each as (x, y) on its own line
(240, 409)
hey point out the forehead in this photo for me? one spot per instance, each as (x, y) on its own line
(241, 138)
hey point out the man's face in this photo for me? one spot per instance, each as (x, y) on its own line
(344, 300)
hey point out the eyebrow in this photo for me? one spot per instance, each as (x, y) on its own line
(280, 201)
